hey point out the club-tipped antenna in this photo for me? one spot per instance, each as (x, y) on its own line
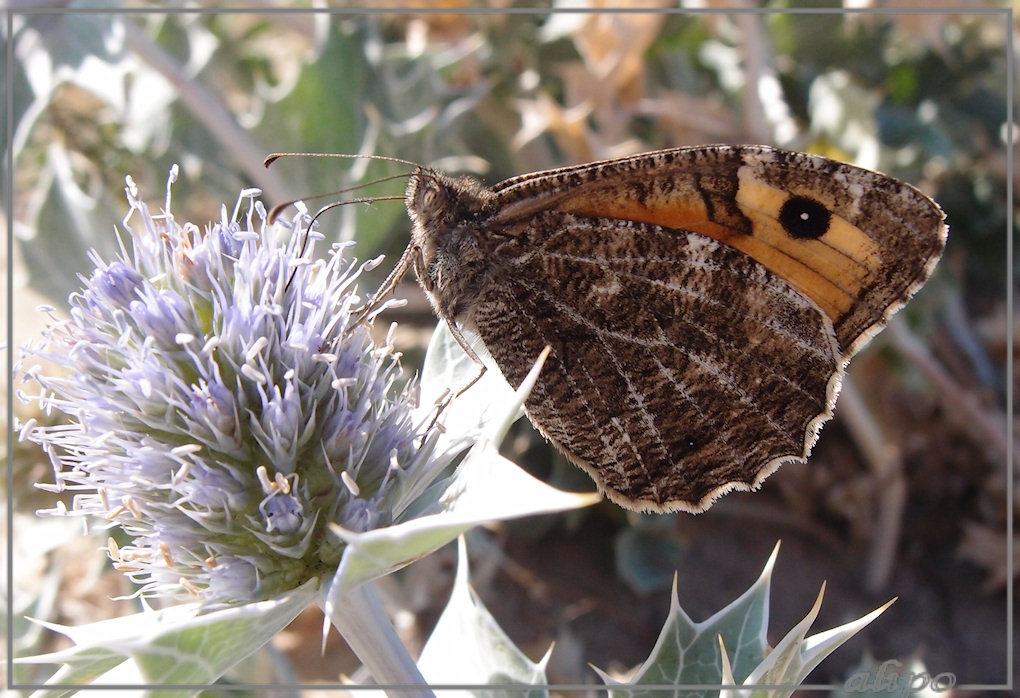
(270, 159)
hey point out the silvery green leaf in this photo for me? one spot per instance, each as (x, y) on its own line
(796, 655)
(843, 113)
(177, 645)
(65, 223)
(380, 551)
(486, 487)
(730, 648)
(448, 369)
(688, 653)
(467, 646)
(113, 670)
(85, 49)
(88, 666)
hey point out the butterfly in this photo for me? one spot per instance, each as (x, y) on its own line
(700, 303)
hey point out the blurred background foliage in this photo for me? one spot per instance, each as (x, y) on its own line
(906, 492)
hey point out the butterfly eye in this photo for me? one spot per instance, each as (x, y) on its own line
(431, 198)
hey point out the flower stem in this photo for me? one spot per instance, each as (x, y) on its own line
(361, 620)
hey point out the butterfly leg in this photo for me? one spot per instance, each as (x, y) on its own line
(449, 395)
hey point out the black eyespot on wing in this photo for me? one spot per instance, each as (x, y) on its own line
(804, 218)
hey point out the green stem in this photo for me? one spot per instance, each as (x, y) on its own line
(361, 620)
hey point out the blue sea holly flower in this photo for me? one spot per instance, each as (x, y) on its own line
(225, 408)
(219, 398)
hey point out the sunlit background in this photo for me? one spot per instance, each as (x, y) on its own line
(905, 494)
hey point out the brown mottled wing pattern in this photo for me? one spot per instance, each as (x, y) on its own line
(680, 367)
(700, 303)
(880, 246)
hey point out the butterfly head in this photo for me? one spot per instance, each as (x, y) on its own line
(448, 252)
(437, 201)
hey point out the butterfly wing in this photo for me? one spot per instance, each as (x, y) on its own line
(700, 303)
(680, 367)
(856, 242)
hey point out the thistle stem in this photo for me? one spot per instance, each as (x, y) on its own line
(361, 620)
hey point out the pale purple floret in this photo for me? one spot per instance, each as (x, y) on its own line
(221, 408)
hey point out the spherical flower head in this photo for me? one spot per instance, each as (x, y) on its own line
(224, 406)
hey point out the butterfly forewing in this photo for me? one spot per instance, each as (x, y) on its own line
(878, 244)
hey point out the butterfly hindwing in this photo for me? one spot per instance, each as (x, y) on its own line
(677, 363)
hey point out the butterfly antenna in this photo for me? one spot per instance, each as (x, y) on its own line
(270, 159)
(327, 207)
(275, 211)
(408, 255)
